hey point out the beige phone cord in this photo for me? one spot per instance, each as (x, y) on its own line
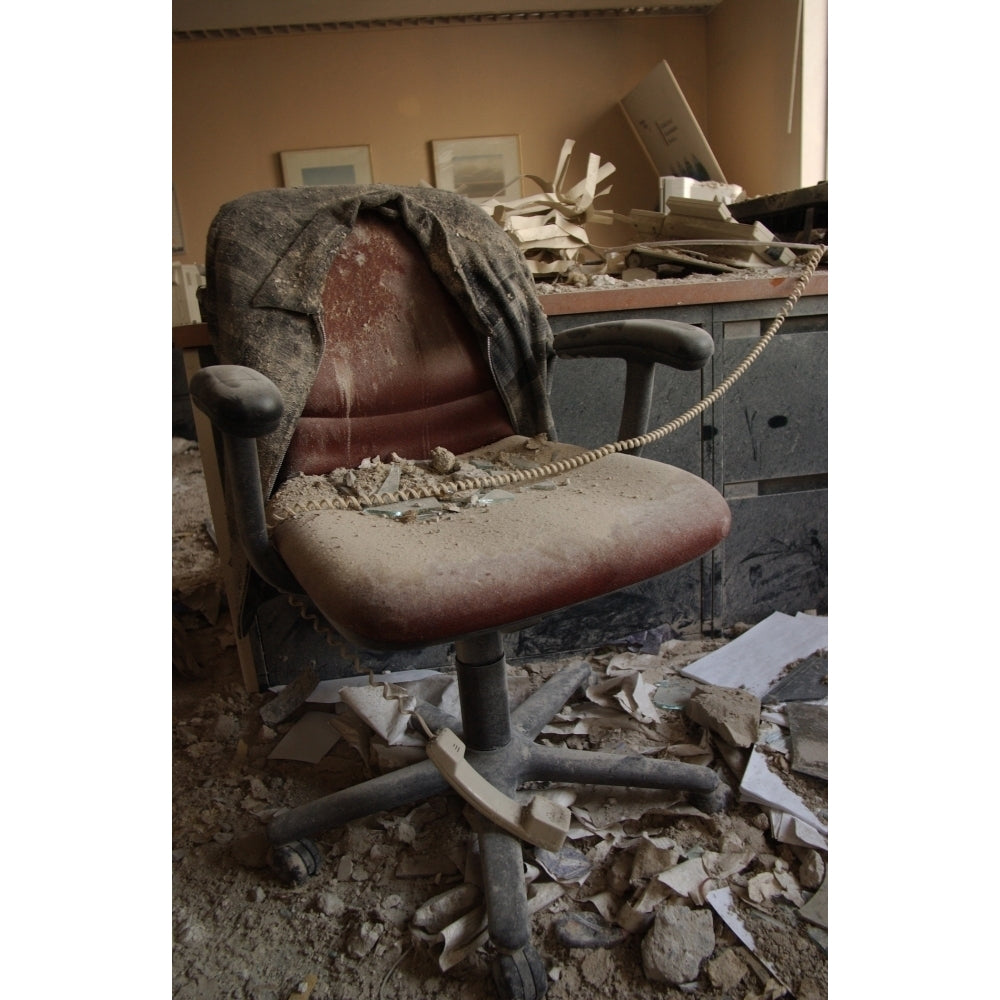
(445, 490)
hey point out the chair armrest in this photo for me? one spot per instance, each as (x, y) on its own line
(244, 405)
(642, 344)
(237, 400)
(646, 341)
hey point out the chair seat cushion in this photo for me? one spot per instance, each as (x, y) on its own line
(387, 583)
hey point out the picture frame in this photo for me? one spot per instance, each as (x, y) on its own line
(334, 165)
(481, 167)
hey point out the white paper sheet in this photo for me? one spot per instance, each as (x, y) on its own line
(755, 660)
(761, 785)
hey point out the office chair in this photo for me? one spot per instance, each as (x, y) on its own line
(353, 322)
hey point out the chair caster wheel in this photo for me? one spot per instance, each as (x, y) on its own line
(520, 975)
(296, 861)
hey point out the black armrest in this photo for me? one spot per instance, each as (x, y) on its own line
(244, 405)
(649, 341)
(642, 344)
(238, 400)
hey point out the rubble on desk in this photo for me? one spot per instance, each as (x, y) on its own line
(714, 899)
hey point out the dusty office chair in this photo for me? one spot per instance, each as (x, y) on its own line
(362, 321)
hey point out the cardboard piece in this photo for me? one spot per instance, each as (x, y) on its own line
(666, 127)
(309, 740)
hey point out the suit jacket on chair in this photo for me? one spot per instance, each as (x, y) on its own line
(267, 259)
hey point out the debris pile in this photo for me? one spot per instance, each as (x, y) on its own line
(698, 891)
(549, 226)
(382, 486)
(646, 893)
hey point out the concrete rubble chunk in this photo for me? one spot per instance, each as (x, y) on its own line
(727, 970)
(679, 940)
(731, 713)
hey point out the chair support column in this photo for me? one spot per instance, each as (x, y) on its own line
(481, 667)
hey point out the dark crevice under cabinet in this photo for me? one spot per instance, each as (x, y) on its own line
(763, 446)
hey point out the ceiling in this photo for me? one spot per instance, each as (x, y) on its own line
(201, 19)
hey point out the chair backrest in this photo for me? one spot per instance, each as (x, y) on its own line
(401, 369)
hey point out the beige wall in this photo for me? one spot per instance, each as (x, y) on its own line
(754, 78)
(238, 102)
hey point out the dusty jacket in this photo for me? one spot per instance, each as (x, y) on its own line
(267, 259)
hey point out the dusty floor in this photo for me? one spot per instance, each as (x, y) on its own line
(240, 934)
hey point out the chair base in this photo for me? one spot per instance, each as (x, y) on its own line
(500, 746)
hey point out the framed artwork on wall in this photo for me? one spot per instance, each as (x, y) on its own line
(336, 165)
(480, 168)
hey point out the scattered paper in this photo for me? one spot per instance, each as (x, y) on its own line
(721, 900)
(630, 692)
(761, 785)
(328, 692)
(388, 707)
(468, 932)
(755, 660)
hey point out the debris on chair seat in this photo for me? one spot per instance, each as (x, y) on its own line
(408, 510)
(442, 460)
(392, 479)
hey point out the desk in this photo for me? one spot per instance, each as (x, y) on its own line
(763, 445)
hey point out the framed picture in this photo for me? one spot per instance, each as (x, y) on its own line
(337, 165)
(480, 168)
